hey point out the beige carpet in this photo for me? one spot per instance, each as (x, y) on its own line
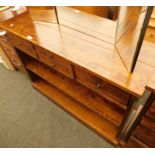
(28, 119)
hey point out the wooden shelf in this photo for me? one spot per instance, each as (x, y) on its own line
(100, 125)
(83, 95)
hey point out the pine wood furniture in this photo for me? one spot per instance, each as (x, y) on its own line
(82, 74)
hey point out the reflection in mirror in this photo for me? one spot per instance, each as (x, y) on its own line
(43, 13)
(97, 21)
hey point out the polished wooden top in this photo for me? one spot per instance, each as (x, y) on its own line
(95, 55)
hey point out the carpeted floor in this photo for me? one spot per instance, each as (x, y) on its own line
(28, 119)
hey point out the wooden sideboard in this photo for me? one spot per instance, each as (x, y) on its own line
(81, 74)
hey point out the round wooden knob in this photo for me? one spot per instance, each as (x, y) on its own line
(98, 85)
(51, 57)
(53, 65)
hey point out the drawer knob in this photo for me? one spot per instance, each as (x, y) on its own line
(51, 57)
(98, 85)
(53, 65)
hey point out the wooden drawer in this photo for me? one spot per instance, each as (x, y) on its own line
(22, 44)
(56, 62)
(103, 88)
(150, 34)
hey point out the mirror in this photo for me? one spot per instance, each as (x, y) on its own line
(122, 28)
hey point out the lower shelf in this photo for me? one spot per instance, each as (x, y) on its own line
(97, 123)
